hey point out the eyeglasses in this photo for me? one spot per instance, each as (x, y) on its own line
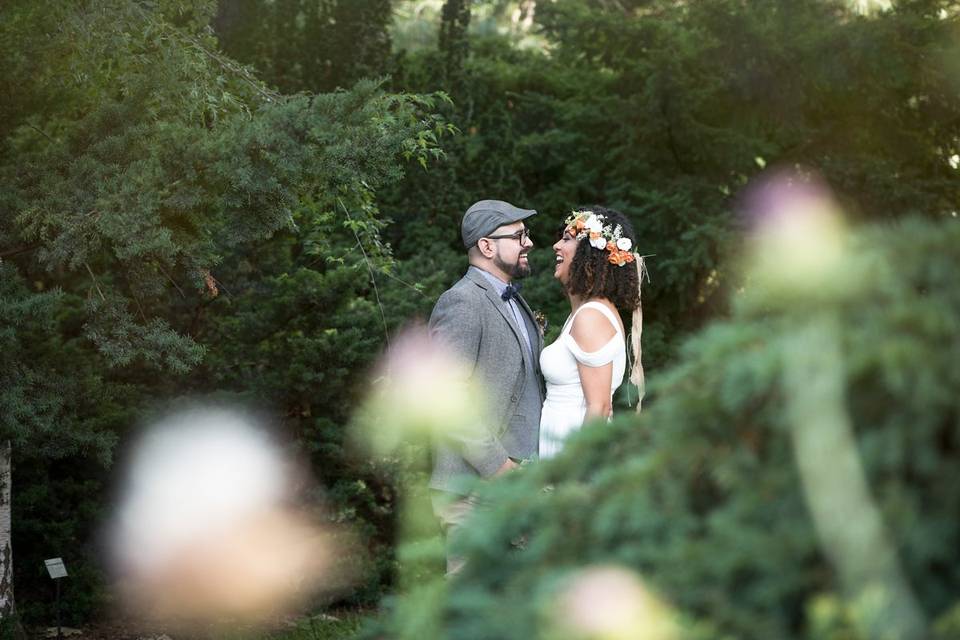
(519, 236)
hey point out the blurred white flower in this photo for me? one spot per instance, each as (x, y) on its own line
(610, 603)
(420, 388)
(598, 242)
(204, 530)
(624, 244)
(799, 235)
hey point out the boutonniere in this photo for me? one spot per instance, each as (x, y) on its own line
(541, 321)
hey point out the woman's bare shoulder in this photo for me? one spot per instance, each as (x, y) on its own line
(591, 329)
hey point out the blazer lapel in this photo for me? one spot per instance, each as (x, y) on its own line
(504, 310)
(538, 343)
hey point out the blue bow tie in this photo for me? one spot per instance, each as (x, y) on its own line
(511, 291)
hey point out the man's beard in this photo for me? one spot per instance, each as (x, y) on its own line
(515, 270)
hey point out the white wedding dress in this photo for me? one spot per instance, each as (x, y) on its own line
(566, 406)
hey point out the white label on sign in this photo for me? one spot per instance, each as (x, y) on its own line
(56, 568)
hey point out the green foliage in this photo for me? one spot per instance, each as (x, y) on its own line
(296, 333)
(52, 399)
(339, 625)
(64, 411)
(175, 222)
(164, 215)
(59, 509)
(702, 495)
(299, 45)
(665, 110)
(166, 167)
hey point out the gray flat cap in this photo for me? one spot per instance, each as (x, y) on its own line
(483, 217)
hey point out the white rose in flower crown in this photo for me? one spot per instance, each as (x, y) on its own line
(593, 223)
(624, 244)
(598, 243)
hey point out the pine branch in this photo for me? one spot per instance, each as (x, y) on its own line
(172, 281)
(409, 285)
(41, 132)
(143, 316)
(224, 63)
(7, 253)
(228, 65)
(373, 279)
(95, 283)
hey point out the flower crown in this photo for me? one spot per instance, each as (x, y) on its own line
(587, 224)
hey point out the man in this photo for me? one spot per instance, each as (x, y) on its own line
(490, 326)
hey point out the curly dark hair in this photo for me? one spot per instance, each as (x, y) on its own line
(593, 276)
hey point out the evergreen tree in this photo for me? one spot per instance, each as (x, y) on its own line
(304, 45)
(136, 156)
(665, 110)
(714, 498)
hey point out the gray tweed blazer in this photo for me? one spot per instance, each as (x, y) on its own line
(472, 320)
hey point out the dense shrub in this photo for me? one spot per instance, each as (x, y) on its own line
(704, 496)
(162, 210)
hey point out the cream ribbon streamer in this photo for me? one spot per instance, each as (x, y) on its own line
(636, 371)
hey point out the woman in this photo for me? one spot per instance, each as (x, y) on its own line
(584, 366)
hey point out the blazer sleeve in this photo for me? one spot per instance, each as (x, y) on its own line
(455, 322)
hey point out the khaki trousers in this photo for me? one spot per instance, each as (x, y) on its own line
(453, 512)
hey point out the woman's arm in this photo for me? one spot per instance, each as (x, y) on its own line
(591, 331)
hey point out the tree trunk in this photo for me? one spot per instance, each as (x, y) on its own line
(6, 541)
(454, 44)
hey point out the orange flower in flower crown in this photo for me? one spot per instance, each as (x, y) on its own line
(620, 258)
(587, 224)
(576, 226)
